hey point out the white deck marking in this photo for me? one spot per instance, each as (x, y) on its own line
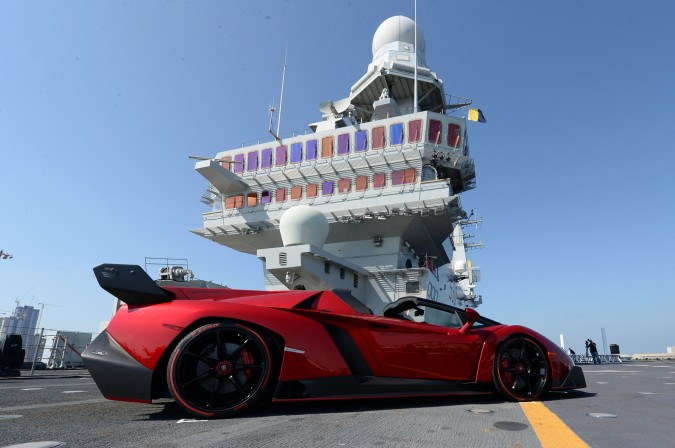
(190, 420)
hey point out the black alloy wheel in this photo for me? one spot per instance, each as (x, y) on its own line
(220, 369)
(521, 370)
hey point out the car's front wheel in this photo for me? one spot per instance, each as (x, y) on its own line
(220, 369)
(521, 369)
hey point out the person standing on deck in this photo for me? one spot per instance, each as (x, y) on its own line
(590, 345)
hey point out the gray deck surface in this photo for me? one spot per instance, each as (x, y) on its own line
(67, 407)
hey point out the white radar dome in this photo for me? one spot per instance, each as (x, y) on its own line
(398, 29)
(303, 224)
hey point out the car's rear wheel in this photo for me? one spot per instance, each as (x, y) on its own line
(220, 369)
(521, 370)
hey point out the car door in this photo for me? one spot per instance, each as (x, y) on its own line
(427, 345)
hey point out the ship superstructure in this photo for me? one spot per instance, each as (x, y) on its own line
(382, 176)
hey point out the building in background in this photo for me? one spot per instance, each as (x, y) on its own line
(58, 349)
(24, 322)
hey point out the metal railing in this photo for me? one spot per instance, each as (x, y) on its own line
(50, 349)
(588, 359)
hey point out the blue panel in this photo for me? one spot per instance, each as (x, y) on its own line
(361, 141)
(396, 134)
(296, 152)
(311, 150)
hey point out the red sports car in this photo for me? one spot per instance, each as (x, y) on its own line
(220, 351)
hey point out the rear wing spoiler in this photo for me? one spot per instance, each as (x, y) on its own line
(131, 284)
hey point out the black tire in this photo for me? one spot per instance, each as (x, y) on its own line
(521, 370)
(220, 369)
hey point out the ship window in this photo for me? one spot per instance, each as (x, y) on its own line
(355, 282)
(266, 197)
(281, 155)
(429, 173)
(238, 163)
(396, 134)
(344, 186)
(434, 131)
(266, 158)
(251, 199)
(412, 287)
(379, 180)
(453, 135)
(343, 144)
(296, 193)
(296, 152)
(414, 131)
(361, 138)
(312, 190)
(327, 147)
(404, 176)
(281, 195)
(311, 150)
(252, 161)
(361, 183)
(234, 201)
(378, 137)
(225, 162)
(327, 188)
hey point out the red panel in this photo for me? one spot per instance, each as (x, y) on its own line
(453, 135)
(327, 147)
(378, 138)
(414, 131)
(434, 131)
(379, 180)
(361, 183)
(344, 186)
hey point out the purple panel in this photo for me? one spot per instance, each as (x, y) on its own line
(343, 144)
(238, 163)
(265, 196)
(361, 141)
(434, 131)
(327, 188)
(311, 150)
(281, 154)
(266, 158)
(252, 162)
(296, 152)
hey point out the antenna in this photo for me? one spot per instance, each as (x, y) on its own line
(42, 308)
(281, 100)
(415, 76)
(272, 109)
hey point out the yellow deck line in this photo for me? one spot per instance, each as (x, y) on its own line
(550, 430)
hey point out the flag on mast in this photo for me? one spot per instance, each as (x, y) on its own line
(477, 115)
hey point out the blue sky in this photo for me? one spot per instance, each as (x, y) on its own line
(102, 102)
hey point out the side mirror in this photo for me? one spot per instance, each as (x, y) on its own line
(471, 318)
